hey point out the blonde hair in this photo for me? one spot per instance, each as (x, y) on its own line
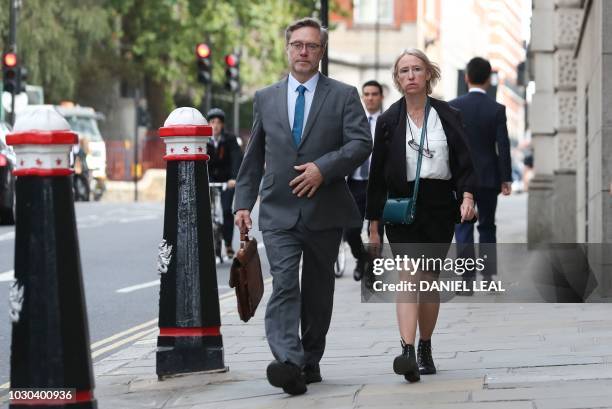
(431, 67)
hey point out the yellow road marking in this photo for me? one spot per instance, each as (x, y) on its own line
(124, 341)
(120, 334)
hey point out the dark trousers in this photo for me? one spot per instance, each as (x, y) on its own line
(227, 196)
(486, 202)
(359, 190)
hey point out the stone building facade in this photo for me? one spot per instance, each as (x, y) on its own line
(555, 30)
(593, 56)
(571, 122)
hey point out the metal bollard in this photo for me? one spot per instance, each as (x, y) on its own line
(189, 319)
(50, 337)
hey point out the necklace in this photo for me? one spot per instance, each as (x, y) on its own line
(415, 118)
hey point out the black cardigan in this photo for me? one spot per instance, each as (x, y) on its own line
(388, 166)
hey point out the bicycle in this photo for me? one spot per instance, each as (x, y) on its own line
(216, 215)
(340, 264)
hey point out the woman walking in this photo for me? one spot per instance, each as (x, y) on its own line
(445, 192)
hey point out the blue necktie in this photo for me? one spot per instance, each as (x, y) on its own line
(298, 117)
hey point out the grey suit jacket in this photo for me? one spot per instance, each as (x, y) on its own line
(336, 138)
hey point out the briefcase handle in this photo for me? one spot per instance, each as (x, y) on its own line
(244, 238)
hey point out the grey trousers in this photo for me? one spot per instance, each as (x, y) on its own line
(288, 307)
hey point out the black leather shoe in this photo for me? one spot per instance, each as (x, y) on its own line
(406, 364)
(360, 268)
(287, 376)
(312, 374)
(424, 358)
(357, 273)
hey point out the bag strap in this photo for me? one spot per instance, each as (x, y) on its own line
(420, 153)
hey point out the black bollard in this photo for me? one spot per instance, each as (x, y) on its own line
(50, 337)
(189, 319)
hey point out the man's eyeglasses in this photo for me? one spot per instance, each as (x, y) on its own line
(297, 46)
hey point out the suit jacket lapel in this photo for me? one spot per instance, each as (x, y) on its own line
(320, 94)
(281, 105)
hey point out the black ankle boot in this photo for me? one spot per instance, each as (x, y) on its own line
(406, 364)
(424, 358)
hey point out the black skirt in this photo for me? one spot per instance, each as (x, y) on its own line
(436, 213)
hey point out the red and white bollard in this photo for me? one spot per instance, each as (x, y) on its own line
(50, 337)
(189, 319)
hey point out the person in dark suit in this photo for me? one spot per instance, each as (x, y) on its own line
(487, 137)
(310, 132)
(447, 183)
(223, 165)
(372, 97)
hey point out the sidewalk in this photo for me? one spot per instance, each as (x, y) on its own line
(506, 356)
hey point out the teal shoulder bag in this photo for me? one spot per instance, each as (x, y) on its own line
(402, 210)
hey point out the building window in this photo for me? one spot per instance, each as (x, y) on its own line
(369, 11)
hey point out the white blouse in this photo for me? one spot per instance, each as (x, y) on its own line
(432, 168)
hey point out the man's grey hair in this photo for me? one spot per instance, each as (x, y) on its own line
(307, 22)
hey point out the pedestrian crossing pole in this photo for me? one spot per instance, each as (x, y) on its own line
(50, 337)
(189, 318)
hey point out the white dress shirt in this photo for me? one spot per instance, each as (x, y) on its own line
(477, 89)
(372, 118)
(432, 168)
(292, 95)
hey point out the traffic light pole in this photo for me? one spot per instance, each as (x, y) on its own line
(136, 105)
(13, 48)
(236, 115)
(325, 22)
(208, 97)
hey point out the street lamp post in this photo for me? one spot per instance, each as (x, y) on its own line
(325, 22)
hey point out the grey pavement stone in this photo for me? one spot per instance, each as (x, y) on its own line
(453, 405)
(569, 402)
(526, 377)
(152, 400)
(536, 390)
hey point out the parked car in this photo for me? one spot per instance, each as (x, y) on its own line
(7, 179)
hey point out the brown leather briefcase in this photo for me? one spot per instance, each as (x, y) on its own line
(246, 277)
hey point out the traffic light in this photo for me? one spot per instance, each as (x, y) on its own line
(204, 63)
(11, 73)
(232, 72)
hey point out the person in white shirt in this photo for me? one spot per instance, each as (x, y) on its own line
(372, 97)
(445, 195)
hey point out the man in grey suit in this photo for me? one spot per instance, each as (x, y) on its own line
(309, 132)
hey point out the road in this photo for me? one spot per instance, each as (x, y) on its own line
(118, 246)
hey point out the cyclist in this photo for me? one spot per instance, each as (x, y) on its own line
(225, 159)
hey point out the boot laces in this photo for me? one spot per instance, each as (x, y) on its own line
(424, 353)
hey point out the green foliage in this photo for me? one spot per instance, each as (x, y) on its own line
(80, 48)
(54, 38)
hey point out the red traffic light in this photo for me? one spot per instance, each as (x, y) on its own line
(9, 59)
(231, 60)
(203, 50)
